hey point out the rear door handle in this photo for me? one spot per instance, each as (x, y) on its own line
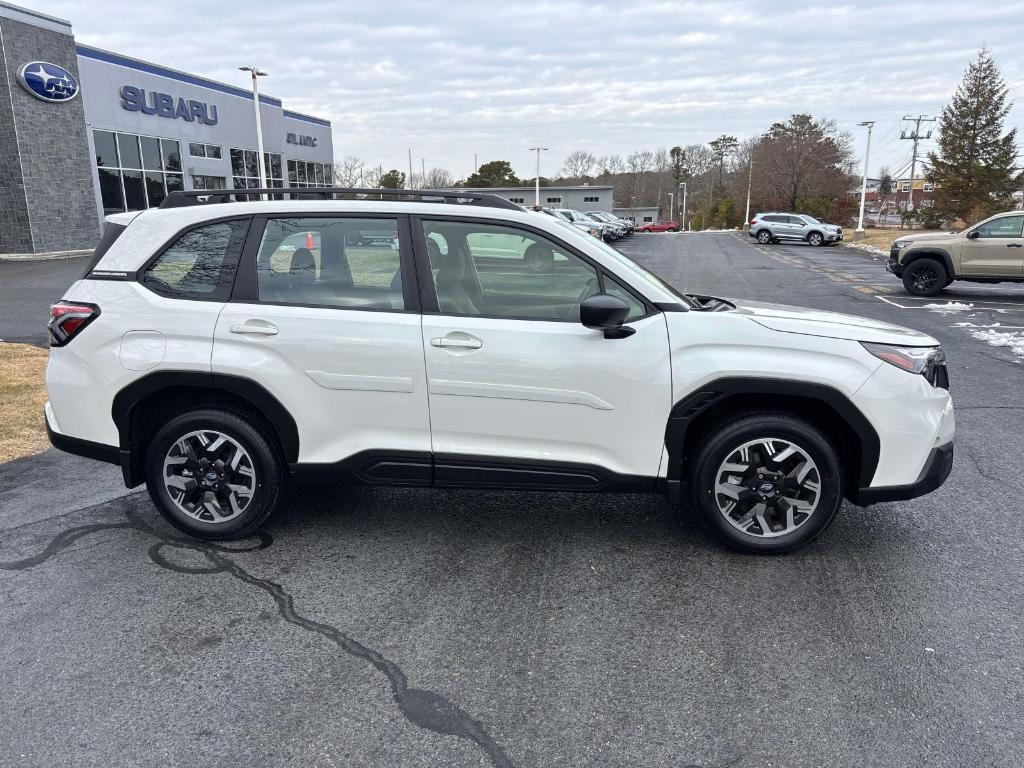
(1014, 245)
(456, 342)
(256, 328)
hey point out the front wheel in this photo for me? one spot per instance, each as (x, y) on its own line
(816, 239)
(925, 277)
(764, 237)
(213, 474)
(767, 483)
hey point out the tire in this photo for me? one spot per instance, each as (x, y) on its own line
(925, 277)
(764, 237)
(816, 239)
(719, 463)
(210, 509)
(673, 229)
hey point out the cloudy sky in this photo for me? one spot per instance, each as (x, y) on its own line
(450, 79)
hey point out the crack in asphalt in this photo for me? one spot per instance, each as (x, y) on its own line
(422, 707)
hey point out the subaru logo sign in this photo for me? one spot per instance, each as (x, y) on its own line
(48, 82)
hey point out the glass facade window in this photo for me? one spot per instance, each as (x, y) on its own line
(209, 182)
(198, 149)
(136, 172)
(245, 169)
(306, 174)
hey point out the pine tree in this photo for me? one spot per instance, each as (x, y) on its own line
(974, 169)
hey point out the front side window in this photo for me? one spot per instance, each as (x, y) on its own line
(201, 263)
(1007, 226)
(331, 262)
(499, 271)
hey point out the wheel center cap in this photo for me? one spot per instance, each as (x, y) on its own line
(210, 477)
(766, 489)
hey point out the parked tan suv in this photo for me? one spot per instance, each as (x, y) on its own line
(989, 252)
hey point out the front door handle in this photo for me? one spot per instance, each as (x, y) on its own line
(256, 328)
(1014, 245)
(458, 343)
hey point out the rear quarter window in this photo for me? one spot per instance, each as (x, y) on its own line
(111, 232)
(200, 263)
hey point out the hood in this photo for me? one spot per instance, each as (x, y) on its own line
(929, 236)
(833, 325)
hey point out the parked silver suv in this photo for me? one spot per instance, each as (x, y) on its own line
(773, 227)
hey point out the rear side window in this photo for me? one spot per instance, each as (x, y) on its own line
(111, 232)
(201, 263)
(340, 261)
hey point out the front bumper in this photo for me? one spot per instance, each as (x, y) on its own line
(893, 265)
(936, 469)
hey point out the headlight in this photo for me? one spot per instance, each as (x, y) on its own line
(910, 359)
(900, 244)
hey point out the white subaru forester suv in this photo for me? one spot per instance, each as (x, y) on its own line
(218, 347)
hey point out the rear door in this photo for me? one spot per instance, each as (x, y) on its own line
(326, 317)
(997, 251)
(514, 377)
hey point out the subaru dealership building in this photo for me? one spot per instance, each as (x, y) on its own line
(86, 132)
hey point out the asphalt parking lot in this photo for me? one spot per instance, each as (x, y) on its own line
(410, 627)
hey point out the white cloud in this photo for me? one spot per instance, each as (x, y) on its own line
(450, 79)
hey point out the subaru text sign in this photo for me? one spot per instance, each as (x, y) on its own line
(164, 105)
(48, 82)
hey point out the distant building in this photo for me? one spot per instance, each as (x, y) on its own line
(638, 215)
(579, 198)
(897, 199)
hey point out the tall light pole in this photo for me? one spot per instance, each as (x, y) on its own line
(750, 181)
(408, 184)
(257, 72)
(682, 224)
(859, 231)
(536, 192)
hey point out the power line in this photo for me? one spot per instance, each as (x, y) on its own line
(915, 136)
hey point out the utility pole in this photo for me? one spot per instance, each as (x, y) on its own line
(423, 167)
(859, 231)
(408, 184)
(750, 180)
(475, 166)
(536, 196)
(671, 206)
(915, 136)
(682, 223)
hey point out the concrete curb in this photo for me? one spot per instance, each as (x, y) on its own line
(51, 256)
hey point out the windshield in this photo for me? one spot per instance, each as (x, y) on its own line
(810, 219)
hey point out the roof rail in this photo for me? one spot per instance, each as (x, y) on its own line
(210, 196)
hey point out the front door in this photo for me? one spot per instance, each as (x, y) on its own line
(512, 374)
(997, 251)
(328, 322)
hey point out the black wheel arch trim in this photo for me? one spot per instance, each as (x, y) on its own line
(697, 403)
(930, 253)
(124, 413)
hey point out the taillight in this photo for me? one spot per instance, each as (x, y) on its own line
(67, 319)
(753, 221)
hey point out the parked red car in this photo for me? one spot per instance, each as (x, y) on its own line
(661, 226)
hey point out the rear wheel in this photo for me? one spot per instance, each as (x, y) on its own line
(925, 277)
(213, 474)
(767, 483)
(764, 237)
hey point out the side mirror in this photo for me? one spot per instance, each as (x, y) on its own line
(604, 312)
(973, 235)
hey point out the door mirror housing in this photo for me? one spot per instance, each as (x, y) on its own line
(604, 312)
(973, 235)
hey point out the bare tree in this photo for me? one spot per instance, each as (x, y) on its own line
(579, 165)
(438, 178)
(805, 158)
(348, 172)
(639, 165)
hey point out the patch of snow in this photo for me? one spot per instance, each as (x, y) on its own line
(949, 306)
(1014, 340)
(865, 247)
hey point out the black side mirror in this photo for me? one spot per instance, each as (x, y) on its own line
(974, 235)
(604, 312)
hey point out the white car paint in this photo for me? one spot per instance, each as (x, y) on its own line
(376, 380)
